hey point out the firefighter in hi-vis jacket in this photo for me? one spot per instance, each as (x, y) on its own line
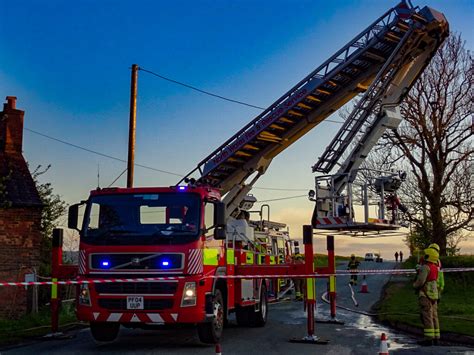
(298, 259)
(426, 285)
(353, 265)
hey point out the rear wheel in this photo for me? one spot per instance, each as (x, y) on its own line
(243, 314)
(211, 332)
(259, 318)
(104, 332)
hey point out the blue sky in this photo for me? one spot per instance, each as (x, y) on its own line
(68, 64)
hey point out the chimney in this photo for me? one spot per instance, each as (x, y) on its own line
(11, 127)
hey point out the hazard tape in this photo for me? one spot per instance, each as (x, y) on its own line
(167, 278)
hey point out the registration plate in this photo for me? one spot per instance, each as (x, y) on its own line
(135, 302)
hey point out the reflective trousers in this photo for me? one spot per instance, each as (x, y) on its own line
(298, 287)
(429, 317)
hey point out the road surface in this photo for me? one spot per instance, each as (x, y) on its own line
(359, 334)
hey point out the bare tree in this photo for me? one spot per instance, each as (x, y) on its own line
(434, 144)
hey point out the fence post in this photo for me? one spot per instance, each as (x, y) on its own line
(57, 256)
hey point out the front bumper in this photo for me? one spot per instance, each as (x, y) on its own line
(162, 302)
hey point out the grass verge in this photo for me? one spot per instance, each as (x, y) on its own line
(321, 260)
(399, 304)
(33, 325)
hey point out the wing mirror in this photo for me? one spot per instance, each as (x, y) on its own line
(72, 217)
(219, 214)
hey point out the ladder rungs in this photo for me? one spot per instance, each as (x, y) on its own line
(269, 135)
(285, 120)
(313, 98)
(375, 56)
(323, 91)
(242, 154)
(393, 35)
(275, 126)
(235, 160)
(302, 105)
(295, 113)
(251, 147)
(267, 139)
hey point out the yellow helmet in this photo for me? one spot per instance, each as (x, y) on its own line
(431, 255)
(434, 246)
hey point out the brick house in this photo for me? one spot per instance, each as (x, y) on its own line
(20, 214)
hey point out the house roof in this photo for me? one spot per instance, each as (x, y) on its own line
(16, 184)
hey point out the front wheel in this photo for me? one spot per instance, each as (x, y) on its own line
(104, 332)
(211, 332)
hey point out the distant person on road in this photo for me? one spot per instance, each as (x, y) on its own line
(396, 256)
(426, 285)
(401, 256)
(353, 266)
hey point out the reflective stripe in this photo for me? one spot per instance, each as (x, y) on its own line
(272, 259)
(248, 257)
(437, 333)
(211, 256)
(310, 289)
(332, 283)
(230, 257)
(429, 333)
(54, 289)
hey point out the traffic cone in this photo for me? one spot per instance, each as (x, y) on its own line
(364, 287)
(218, 349)
(383, 345)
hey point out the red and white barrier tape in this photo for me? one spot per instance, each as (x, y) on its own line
(167, 278)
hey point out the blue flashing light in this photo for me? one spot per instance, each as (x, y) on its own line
(165, 263)
(181, 188)
(105, 263)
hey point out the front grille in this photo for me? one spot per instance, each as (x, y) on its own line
(120, 304)
(151, 261)
(141, 288)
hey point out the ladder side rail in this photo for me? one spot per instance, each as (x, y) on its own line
(369, 32)
(299, 95)
(256, 164)
(352, 124)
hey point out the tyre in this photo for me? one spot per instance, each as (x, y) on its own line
(211, 332)
(242, 315)
(259, 318)
(104, 332)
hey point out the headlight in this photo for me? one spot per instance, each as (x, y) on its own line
(84, 295)
(189, 294)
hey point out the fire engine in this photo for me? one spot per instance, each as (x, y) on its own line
(196, 234)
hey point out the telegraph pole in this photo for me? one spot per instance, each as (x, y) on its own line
(132, 125)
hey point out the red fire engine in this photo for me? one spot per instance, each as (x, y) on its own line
(193, 234)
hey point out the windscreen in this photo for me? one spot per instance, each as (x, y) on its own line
(135, 219)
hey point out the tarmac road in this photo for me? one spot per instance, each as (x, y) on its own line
(359, 334)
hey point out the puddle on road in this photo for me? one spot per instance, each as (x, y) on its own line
(396, 341)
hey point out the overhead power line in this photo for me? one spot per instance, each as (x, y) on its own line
(212, 94)
(283, 198)
(99, 153)
(140, 165)
(200, 90)
(277, 189)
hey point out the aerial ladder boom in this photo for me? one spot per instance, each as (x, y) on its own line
(378, 110)
(401, 35)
